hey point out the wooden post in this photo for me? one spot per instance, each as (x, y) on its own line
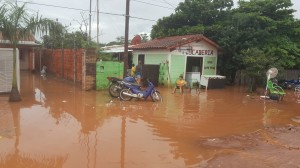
(126, 38)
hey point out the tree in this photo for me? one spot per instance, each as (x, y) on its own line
(55, 38)
(120, 40)
(267, 25)
(144, 37)
(16, 24)
(192, 17)
(67, 41)
(256, 64)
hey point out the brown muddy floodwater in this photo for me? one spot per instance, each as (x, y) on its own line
(57, 125)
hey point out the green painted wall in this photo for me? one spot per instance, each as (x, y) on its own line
(209, 65)
(177, 64)
(155, 59)
(105, 69)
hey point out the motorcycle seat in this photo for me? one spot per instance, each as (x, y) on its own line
(134, 84)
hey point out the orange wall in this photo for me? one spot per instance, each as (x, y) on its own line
(60, 64)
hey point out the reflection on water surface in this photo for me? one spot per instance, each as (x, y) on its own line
(57, 125)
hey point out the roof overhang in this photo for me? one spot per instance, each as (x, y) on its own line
(114, 49)
(20, 43)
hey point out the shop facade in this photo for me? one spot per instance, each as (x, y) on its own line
(190, 55)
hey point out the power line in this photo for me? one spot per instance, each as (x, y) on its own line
(165, 2)
(169, 3)
(153, 4)
(64, 7)
(85, 10)
(134, 17)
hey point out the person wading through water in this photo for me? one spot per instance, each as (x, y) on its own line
(139, 72)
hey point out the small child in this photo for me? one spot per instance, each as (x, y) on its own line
(180, 83)
(43, 71)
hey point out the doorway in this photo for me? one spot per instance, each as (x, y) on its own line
(193, 69)
(141, 57)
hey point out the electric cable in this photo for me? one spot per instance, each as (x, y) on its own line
(85, 10)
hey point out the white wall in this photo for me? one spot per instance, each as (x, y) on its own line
(6, 69)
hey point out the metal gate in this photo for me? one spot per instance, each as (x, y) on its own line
(6, 69)
(152, 73)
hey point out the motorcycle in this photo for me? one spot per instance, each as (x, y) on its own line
(132, 90)
(117, 84)
(289, 84)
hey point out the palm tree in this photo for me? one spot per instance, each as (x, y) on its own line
(17, 24)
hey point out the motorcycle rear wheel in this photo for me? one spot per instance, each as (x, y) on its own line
(156, 97)
(124, 96)
(114, 90)
(290, 86)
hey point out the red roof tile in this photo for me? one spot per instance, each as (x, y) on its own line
(172, 42)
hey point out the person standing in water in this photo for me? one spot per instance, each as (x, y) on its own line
(132, 72)
(139, 72)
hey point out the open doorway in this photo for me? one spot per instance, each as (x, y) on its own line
(193, 69)
(194, 64)
(141, 57)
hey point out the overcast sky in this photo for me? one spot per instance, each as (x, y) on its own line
(68, 12)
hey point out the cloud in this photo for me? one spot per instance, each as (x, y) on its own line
(112, 25)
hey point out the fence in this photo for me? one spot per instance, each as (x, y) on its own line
(242, 79)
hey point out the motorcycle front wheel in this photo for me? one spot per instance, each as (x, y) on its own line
(123, 95)
(156, 97)
(114, 90)
(290, 86)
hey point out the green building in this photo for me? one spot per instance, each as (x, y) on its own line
(190, 55)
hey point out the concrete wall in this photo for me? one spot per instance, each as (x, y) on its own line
(155, 59)
(152, 57)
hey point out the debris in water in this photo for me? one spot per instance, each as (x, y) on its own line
(297, 119)
(64, 101)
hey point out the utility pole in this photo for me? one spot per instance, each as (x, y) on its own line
(90, 23)
(74, 58)
(126, 38)
(97, 25)
(63, 54)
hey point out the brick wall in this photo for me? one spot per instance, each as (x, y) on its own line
(89, 81)
(61, 63)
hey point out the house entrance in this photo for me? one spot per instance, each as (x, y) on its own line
(193, 69)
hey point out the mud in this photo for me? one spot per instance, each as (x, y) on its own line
(269, 147)
(58, 125)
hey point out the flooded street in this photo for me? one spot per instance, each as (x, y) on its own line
(57, 125)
